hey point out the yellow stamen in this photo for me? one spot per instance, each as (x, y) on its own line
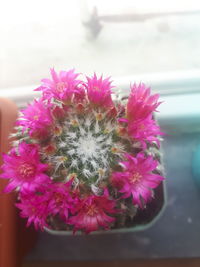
(60, 86)
(135, 178)
(96, 88)
(141, 126)
(36, 117)
(26, 170)
(92, 210)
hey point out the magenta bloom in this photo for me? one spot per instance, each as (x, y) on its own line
(141, 103)
(144, 130)
(24, 169)
(94, 214)
(35, 207)
(62, 201)
(62, 86)
(37, 118)
(99, 91)
(137, 179)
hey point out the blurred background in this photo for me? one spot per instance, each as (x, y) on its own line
(117, 38)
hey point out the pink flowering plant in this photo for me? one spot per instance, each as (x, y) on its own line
(84, 159)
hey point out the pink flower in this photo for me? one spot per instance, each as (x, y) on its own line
(62, 200)
(144, 130)
(62, 86)
(137, 179)
(37, 118)
(99, 91)
(24, 168)
(93, 213)
(141, 103)
(35, 207)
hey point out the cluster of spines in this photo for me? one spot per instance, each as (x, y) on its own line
(90, 158)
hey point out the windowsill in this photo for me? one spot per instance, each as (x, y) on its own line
(180, 113)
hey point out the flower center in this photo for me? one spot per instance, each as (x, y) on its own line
(33, 210)
(96, 88)
(36, 117)
(60, 87)
(135, 178)
(141, 126)
(26, 170)
(91, 210)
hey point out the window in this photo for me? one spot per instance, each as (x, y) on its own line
(154, 41)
